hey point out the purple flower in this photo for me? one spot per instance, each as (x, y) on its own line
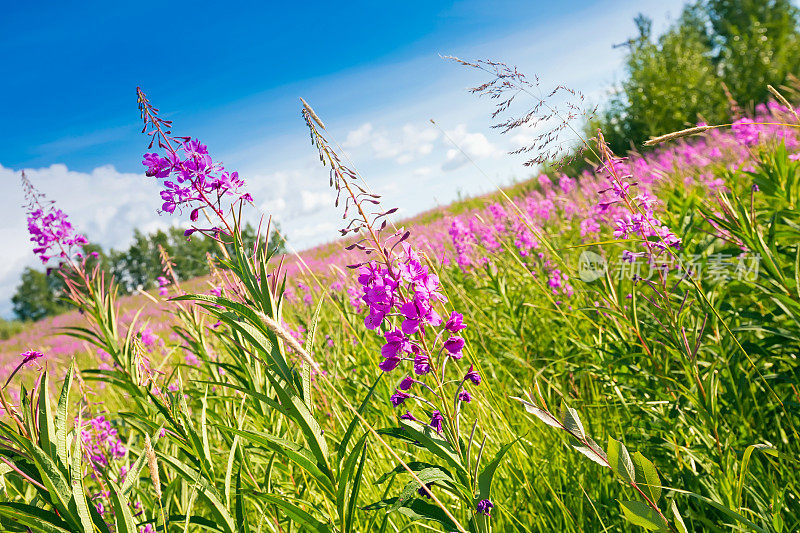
(389, 364)
(484, 507)
(148, 337)
(455, 323)
(408, 416)
(398, 397)
(30, 355)
(422, 492)
(454, 345)
(745, 131)
(422, 364)
(406, 383)
(418, 313)
(396, 344)
(49, 228)
(196, 180)
(465, 396)
(436, 421)
(473, 376)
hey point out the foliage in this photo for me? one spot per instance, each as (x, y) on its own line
(266, 403)
(717, 52)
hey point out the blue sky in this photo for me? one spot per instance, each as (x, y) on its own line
(231, 73)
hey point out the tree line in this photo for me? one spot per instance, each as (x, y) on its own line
(713, 63)
(39, 294)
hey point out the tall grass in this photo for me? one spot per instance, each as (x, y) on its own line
(629, 358)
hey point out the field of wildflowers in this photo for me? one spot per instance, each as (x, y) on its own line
(610, 351)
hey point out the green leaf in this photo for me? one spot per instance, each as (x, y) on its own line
(418, 510)
(647, 476)
(640, 514)
(123, 519)
(133, 473)
(433, 442)
(297, 411)
(541, 414)
(679, 525)
(204, 430)
(292, 451)
(486, 476)
(57, 485)
(414, 466)
(346, 476)
(203, 486)
(240, 508)
(61, 415)
(356, 483)
(764, 448)
(78, 492)
(354, 422)
(309, 345)
(295, 513)
(620, 460)
(229, 470)
(33, 517)
(429, 475)
(572, 423)
(249, 324)
(47, 432)
(590, 449)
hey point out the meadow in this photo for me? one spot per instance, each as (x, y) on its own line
(612, 350)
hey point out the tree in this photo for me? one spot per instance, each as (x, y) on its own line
(38, 295)
(277, 241)
(756, 43)
(679, 78)
(137, 267)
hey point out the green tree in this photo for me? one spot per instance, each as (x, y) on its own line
(756, 43)
(679, 78)
(38, 295)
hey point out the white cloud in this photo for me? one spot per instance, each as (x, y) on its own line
(358, 136)
(312, 200)
(471, 146)
(404, 145)
(317, 232)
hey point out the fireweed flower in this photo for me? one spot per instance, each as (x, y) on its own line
(163, 283)
(399, 397)
(101, 445)
(422, 492)
(27, 357)
(406, 384)
(636, 218)
(472, 376)
(50, 229)
(454, 345)
(455, 323)
(422, 364)
(484, 507)
(745, 131)
(436, 421)
(30, 355)
(408, 416)
(191, 178)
